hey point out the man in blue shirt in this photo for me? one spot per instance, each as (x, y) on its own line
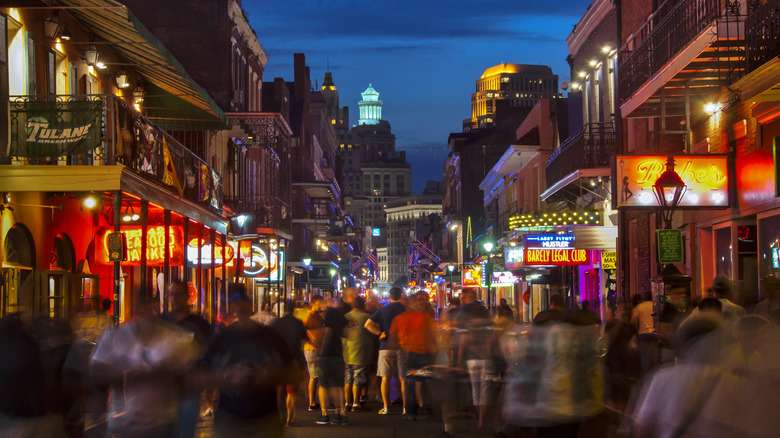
(379, 324)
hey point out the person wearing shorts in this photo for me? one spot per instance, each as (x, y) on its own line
(314, 325)
(387, 362)
(358, 350)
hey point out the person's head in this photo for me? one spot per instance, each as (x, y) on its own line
(502, 302)
(242, 307)
(455, 302)
(695, 329)
(556, 302)
(317, 303)
(468, 295)
(721, 285)
(396, 293)
(348, 295)
(106, 305)
(419, 300)
(359, 303)
(179, 295)
(635, 300)
(585, 305)
(711, 305)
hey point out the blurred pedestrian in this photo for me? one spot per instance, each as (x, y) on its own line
(248, 360)
(414, 334)
(146, 358)
(330, 367)
(292, 331)
(314, 325)
(358, 349)
(642, 319)
(379, 323)
(181, 315)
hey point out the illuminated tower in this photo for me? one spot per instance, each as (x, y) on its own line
(370, 107)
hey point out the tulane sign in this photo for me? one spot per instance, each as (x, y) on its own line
(55, 129)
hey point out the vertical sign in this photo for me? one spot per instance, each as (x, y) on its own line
(670, 248)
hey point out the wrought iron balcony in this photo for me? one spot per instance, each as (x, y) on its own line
(670, 29)
(592, 147)
(762, 33)
(103, 130)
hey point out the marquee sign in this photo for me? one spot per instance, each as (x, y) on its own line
(549, 241)
(503, 279)
(155, 245)
(706, 178)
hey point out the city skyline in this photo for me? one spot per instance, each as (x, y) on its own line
(434, 57)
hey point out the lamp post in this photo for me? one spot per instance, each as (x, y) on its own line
(450, 268)
(488, 271)
(307, 264)
(669, 189)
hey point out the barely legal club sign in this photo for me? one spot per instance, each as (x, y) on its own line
(553, 249)
(706, 179)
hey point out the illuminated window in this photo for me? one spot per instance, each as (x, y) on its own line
(333, 121)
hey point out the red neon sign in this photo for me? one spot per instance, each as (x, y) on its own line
(155, 245)
(557, 257)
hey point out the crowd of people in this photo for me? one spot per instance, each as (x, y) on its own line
(655, 372)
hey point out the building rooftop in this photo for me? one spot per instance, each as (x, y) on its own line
(517, 68)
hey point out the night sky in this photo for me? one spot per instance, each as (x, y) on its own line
(423, 57)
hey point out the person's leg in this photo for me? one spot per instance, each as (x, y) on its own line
(291, 392)
(322, 391)
(385, 389)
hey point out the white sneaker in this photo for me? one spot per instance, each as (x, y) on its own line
(384, 411)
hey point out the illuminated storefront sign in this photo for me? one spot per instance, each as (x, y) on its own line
(155, 245)
(205, 252)
(256, 263)
(549, 241)
(472, 277)
(706, 178)
(503, 279)
(608, 260)
(376, 232)
(513, 257)
(556, 257)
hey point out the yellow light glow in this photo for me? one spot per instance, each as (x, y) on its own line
(58, 46)
(15, 14)
(91, 70)
(593, 62)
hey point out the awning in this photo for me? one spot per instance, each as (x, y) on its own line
(316, 189)
(574, 176)
(113, 23)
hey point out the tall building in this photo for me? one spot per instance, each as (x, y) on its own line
(520, 85)
(371, 171)
(409, 219)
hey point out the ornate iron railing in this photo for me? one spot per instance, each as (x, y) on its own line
(674, 24)
(124, 137)
(592, 147)
(762, 33)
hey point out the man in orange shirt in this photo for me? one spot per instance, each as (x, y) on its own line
(414, 332)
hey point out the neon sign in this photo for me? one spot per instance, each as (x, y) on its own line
(472, 277)
(513, 257)
(706, 178)
(257, 264)
(205, 252)
(557, 257)
(155, 245)
(503, 279)
(549, 241)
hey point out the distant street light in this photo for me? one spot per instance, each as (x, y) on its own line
(488, 271)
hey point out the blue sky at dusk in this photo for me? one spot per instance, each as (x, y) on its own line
(423, 57)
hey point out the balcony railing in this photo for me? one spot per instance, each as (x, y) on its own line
(592, 147)
(762, 33)
(670, 29)
(103, 130)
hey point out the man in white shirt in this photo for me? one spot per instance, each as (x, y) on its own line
(642, 319)
(721, 285)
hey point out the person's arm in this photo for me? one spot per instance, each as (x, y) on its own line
(373, 327)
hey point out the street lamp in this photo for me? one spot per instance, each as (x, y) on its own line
(451, 268)
(307, 264)
(669, 189)
(488, 271)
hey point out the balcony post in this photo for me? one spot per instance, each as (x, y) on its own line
(117, 267)
(144, 245)
(166, 260)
